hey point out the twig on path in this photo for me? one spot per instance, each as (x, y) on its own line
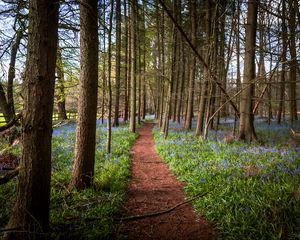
(136, 217)
(154, 214)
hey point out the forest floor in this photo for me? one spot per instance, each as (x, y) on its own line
(153, 188)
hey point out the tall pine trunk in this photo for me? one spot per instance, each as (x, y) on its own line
(7, 106)
(193, 20)
(204, 85)
(126, 63)
(118, 61)
(83, 168)
(247, 131)
(30, 216)
(61, 97)
(132, 125)
(283, 64)
(109, 90)
(293, 63)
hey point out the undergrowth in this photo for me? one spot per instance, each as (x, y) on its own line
(87, 214)
(252, 188)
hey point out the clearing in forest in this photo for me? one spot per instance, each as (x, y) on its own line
(153, 189)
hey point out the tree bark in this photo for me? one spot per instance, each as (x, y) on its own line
(30, 216)
(108, 131)
(247, 131)
(193, 20)
(132, 125)
(118, 61)
(261, 62)
(4, 107)
(61, 97)
(204, 85)
(126, 64)
(144, 92)
(11, 74)
(139, 70)
(283, 65)
(293, 63)
(7, 104)
(181, 77)
(83, 168)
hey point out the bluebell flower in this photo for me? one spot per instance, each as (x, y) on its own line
(288, 171)
(225, 163)
(56, 132)
(246, 210)
(298, 170)
(265, 177)
(203, 180)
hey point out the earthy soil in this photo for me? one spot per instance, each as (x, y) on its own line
(154, 188)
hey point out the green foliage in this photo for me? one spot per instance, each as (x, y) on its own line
(2, 119)
(7, 196)
(87, 214)
(252, 188)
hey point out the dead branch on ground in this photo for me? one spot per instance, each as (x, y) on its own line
(154, 214)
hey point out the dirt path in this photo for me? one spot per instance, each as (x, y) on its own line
(154, 188)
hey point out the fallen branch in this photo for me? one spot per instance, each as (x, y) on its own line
(8, 176)
(295, 134)
(61, 123)
(154, 214)
(9, 229)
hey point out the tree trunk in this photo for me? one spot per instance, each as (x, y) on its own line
(168, 110)
(181, 77)
(11, 74)
(109, 105)
(132, 125)
(261, 62)
(193, 20)
(204, 85)
(118, 61)
(139, 83)
(129, 39)
(160, 50)
(83, 168)
(4, 107)
(61, 97)
(125, 65)
(293, 63)
(247, 131)
(30, 216)
(222, 63)
(104, 83)
(7, 105)
(144, 95)
(283, 60)
(238, 68)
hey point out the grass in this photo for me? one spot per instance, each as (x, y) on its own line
(252, 188)
(87, 214)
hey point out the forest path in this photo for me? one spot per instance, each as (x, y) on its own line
(154, 188)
